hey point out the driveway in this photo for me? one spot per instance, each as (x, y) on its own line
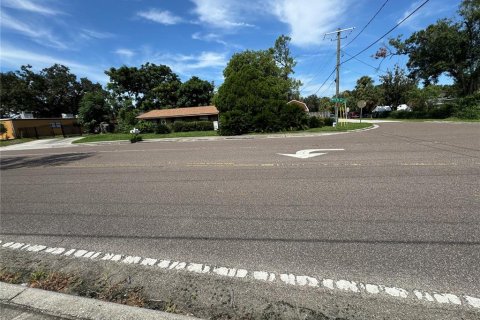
(42, 144)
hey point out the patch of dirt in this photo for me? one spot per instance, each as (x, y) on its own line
(205, 296)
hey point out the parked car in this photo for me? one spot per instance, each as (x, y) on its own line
(353, 115)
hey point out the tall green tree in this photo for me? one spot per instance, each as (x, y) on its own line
(59, 92)
(195, 92)
(395, 85)
(366, 90)
(254, 90)
(151, 86)
(286, 63)
(48, 93)
(312, 102)
(94, 110)
(447, 47)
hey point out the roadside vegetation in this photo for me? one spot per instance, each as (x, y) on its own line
(258, 84)
(127, 136)
(4, 143)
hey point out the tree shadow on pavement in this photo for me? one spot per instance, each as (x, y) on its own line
(9, 163)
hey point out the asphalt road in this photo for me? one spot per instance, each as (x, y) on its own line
(400, 205)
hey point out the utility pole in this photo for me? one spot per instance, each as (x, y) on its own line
(337, 79)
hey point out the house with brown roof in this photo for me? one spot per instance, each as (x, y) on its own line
(207, 113)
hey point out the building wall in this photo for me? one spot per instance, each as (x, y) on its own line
(44, 127)
(9, 126)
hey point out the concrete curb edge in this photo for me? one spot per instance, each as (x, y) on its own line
(70, 306)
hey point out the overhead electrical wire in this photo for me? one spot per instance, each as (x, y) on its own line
(365, 63)
(333, 71)
(376, 41)
(368, 23)
(386, 33)
(321, 70)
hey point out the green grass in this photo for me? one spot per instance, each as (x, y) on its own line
(145, 136)
(4, 143)
(341, 127)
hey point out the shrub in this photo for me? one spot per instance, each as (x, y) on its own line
(146, 126)
(266, 121)
(185, 126)
(468, 107)
(182, 126)
(314, 122)
(204, 125)
(328, 121)
(162, 129)
(135, 139)
(293, 118)
(234, 122)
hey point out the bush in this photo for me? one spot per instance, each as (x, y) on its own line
(314, 122)
(328, 122)
(293, 118)
(135, 139)
(185, 126)
(234, 122)
(468, 107)
(162, 129)
(146, 126)
(204, 125)
(266, 121)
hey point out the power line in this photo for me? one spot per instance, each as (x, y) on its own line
(393, 28)
(333, 71)
(329, 86)
(321, 70)
(368, 23)
(365, 63)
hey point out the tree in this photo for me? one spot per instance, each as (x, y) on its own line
(286, 63)
(312, 102)
(49, 93)
(59, 92)
(253, 83)
(447, 47)
(150, 86)
(395, 85)
(195, 92)
(93, 110)
(421, 99)
(366, 90)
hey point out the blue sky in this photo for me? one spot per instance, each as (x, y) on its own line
(198, 37)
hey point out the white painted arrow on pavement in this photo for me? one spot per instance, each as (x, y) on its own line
(308, 153)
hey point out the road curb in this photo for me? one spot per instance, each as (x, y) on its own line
(69, 306)
(222, 138)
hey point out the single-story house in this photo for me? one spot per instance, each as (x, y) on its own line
(41, 127)
(208, 113)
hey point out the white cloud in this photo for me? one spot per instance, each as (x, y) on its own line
(31, 6)
(38, 34)
(127, 53)
(92, 34)
(15, 57)
(207, 64)
(310, 19)
(208, 37)
(159, 16)
(422, 18)
(225, 14)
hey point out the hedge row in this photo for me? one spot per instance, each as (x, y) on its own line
(178, 126)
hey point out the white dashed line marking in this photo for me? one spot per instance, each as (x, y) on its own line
(264, 276)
